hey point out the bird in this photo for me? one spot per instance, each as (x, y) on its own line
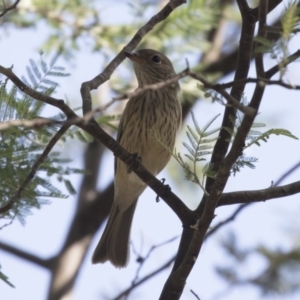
(153, 111)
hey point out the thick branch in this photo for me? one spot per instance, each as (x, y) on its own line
(242, 68)
(176, 282)
(259, 195)
(156, 185)
(92, 209)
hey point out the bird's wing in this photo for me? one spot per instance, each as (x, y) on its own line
(119, 137)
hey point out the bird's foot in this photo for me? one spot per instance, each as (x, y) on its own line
(166, 191)
(135, 164)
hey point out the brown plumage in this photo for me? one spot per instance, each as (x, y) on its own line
(152, 110)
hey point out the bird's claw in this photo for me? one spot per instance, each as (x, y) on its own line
(135, 164)
(166, 191)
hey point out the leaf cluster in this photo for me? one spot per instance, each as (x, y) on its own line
(289, 26)
(254, 137)
(200, 145)
(21, 146)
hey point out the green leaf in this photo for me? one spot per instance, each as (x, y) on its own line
(196, 123)
(35, 69)
(265, 136)
(208, 124)
(5, 279)
(69, 187)
(189, 149)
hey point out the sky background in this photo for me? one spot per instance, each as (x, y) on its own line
(273, 224)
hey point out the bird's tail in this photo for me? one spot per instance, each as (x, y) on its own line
(114, 243)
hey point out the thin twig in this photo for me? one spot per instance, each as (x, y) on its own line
(228, 220)
(287, 173)
(197, 297)
(34, 123)
(147, 277)
(262, 195)
(262, 81)
(7, 9)
(230, 99)
(142, 260)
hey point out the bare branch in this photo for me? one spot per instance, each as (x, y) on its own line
(141, 260)
(192, 240)
(288, 173)
(45, 263)
(197, 297)
(34, 123)
(259, 195)
(242, 68)
(139, 91)
(270, 73)
(217, 87)
(9, 8)
(262, 19)
(261, 81)
(230, 99)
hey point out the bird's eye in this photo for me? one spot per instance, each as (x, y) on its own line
(156, 59)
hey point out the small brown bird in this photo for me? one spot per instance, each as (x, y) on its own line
(158, 111)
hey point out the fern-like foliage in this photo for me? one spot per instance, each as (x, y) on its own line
(290, 21)
(200, 145)
(21, 146)
(243, 161)
(254, 137)
(4, 278)
(263, 137)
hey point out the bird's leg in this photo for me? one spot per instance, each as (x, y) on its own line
(166, 191)
(135, 164)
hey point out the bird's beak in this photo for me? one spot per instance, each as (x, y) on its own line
(133, 57)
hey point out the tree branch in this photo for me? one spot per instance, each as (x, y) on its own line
(45, 263)
(287, 173)
(192, 238)
(242, 68)
(9, 8)
(147, 277)
(228, 220)
(92, 209)
(230, 99)
(259, 195)
(181, 210)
